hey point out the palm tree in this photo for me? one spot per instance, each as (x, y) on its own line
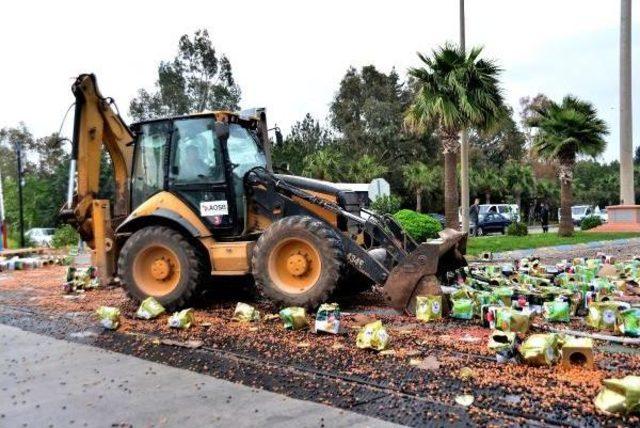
(486, 182)
(518, 179)
(454, 91)
(547, 191)
(565, 131)
(323, 165)
(420, 178)
(364, 169)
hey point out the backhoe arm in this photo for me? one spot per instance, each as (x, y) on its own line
(96, 124)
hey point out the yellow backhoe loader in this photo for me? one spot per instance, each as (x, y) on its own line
(196, 200)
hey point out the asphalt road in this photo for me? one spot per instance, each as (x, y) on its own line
(538, 229)
(50, 382)
(535, 229)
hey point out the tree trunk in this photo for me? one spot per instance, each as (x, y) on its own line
(451, 190)
(418, 201)
(487, 197)
(565, 172)
(566, 199)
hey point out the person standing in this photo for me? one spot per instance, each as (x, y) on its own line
(474, 213)
(544, 217)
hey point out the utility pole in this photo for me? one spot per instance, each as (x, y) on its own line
(462, 35)
(627, 193)
(20, 185)
(464, 147)
(3, 231)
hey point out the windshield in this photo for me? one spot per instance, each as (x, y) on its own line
(244, 150)
(578, 210)
(244, 153)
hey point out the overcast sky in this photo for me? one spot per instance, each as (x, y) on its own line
(289, 56)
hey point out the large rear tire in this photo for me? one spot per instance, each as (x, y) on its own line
(298, 261)
(158, 261)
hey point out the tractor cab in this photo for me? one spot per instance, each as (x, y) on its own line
(201, 159)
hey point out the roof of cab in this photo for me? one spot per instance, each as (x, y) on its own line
(220, 115)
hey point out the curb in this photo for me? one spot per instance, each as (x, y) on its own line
(559, 249)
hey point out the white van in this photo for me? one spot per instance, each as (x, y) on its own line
(40, 236)
(579, 212)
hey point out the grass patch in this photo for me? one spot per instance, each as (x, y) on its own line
(501, 243)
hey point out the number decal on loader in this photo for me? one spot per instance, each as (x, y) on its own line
(213, 208)
(356, 261)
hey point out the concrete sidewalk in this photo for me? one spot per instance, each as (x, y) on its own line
(560, 250)
(49, 382)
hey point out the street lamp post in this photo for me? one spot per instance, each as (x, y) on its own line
(18, 148)
(3, 231)
(464, 147)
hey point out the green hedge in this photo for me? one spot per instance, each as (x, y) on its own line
(418, 226)
(386, 204)
(517, 229)
(64, 236)
(590, 222)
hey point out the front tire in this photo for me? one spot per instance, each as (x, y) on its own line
(298, 261)
(158, 262)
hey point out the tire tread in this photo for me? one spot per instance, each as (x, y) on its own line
(194, 258)
(331, 252)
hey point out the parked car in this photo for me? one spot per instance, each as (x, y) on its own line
(602, 213)
(510, 211)
(438, 217)
(492, 222)
(578, 213)
(40, 236)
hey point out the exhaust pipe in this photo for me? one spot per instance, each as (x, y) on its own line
(71, 183)
(74, 144)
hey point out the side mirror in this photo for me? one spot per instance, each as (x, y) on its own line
(222, 130)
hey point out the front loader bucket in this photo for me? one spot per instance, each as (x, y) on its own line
(420, 272)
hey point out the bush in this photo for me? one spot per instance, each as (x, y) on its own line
(590, 222)
(418, 226)
(517, 229)
(13, 239)
(64, 236)
(386, 204)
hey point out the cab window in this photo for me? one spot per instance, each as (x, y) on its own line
(195, 152)
(244, 154)
(148, 170)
